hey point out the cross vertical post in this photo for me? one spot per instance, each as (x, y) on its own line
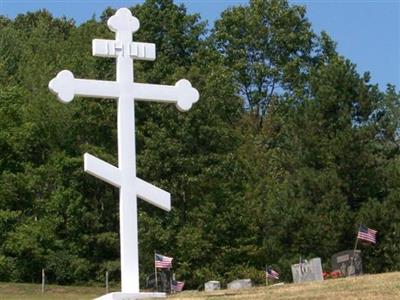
(127, 166)
(125, 91)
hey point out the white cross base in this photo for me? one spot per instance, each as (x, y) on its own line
(126, 91)
(130, 296)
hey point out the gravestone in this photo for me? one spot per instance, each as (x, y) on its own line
(348, 263)
(240, 284)
(309, 270)
(212, 285)
(125, 92)
(162, 284)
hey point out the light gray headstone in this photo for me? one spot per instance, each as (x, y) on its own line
(240, 284)
(309, 270)
(348, 262)
(212, 285)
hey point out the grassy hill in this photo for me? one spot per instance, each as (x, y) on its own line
(380, 286)
(25, 291)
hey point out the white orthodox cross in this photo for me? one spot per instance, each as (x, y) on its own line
(66, 87)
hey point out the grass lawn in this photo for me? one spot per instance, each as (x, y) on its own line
(380, 286)
(25, 291)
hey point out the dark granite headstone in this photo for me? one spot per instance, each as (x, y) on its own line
(163, 282)
(348, 262)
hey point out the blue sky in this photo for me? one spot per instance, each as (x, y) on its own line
(367, 31)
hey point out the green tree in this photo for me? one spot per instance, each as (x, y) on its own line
(268, 46)
(243, 195)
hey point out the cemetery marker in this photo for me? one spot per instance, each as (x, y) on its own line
(66, 87)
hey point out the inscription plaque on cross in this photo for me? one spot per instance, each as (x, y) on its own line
(126, 91)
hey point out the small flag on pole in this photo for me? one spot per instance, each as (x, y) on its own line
(162, 261)
(366, 234)
(272, 274)
(177, 286)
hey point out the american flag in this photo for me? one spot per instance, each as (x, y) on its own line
(272, 274)
(162, 262)
(177, 286)
(366, 234)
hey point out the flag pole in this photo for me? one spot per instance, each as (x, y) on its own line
(170, 281)
(155, 270)
(355, 245)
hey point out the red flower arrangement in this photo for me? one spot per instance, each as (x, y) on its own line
(333, 274)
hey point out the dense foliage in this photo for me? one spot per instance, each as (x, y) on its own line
(288, 149)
